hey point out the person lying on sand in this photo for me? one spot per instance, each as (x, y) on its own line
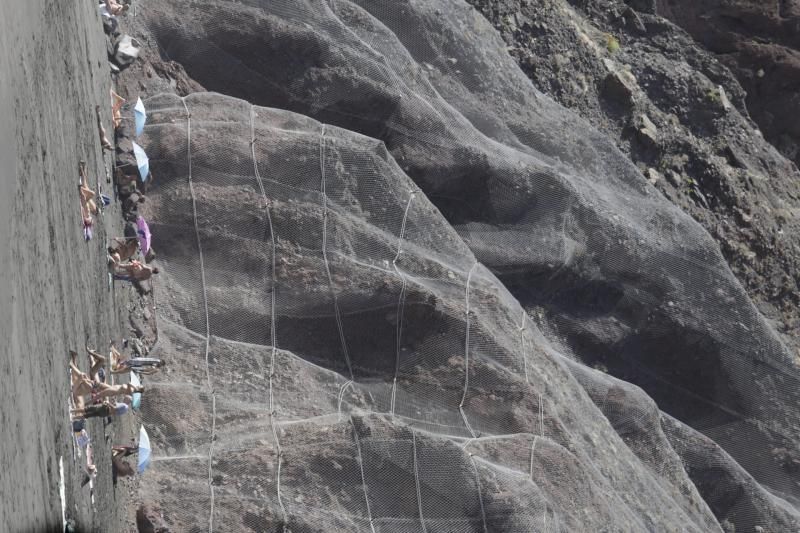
(134, 271)
(116, 109)
(87, 194)
(91, 469)
(100, 410)
(88, 204)
(140, 365)
(102, 131)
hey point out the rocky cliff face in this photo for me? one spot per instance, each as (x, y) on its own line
(398, 275)
(760, 43)
(681, 110)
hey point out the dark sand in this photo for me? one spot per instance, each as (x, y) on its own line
(55, 294)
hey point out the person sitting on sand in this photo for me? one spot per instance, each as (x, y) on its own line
(83, 385)
(87, 194)
(122, 179)
(98, 364)
(131, 205)
(123, 250)
(115, 8)
(108, 391)
(120, 468)
(100, 410)
(116, 109)
(134, 271)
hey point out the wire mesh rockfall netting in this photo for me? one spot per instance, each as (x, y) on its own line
(350, 348)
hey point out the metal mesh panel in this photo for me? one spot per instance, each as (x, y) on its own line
(311, 307)
(350, 361)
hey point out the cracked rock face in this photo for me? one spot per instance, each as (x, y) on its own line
(394, 271)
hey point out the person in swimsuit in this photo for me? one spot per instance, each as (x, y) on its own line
(100, 410)
(124, 451)
(108, 391)
(115, 8)
(98, 364)
(123, 250)
(83, 385)
(102, 131)
(88, 204)
(140, 365)
(134, 270)
(116, 108)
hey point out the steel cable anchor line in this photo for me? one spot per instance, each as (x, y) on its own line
(522, 329)
(273, 322)
(466, 353)
(363, 477)
(337, 313)
(401, 302)
(205, 310)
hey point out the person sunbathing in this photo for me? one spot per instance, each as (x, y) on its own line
(87, 194)
(120, 468)
(102, 131)
(109, 391)
(97, 365)
(116, 109)
(140, 365)
(124, 249)
(134, 271)
(123, 179)
(87, 199)
(115, 8)
(83, 385)
(124, 451)
(88, 224)
(100, 410)
(132, 203)
(88, 204)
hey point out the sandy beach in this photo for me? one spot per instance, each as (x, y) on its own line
(53, 71)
